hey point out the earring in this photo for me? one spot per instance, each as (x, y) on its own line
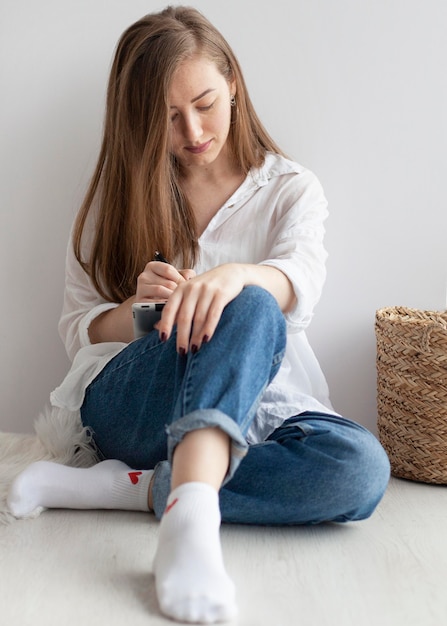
(232, 101)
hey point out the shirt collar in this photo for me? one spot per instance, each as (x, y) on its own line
(274, 165)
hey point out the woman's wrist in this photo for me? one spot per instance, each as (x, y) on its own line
(273, 280)
(114, 324)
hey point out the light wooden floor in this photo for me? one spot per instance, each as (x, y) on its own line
(72, 568)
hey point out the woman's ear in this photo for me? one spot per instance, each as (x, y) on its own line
(233, 88)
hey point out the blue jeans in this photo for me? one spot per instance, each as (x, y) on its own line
(313, 468)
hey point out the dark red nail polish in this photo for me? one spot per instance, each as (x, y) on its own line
(194, 348)
(182, 351)
(205, 339)
(163, 337)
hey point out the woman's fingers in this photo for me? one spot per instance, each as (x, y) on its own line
(196, 307)
(180, 310)
(187, 274)
(206, 319)
(157, 281)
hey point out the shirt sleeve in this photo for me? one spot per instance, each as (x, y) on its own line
(296, 246)
(82, 304)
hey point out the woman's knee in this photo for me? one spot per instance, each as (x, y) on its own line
(368, 474)
(257, 300)
(256, 313)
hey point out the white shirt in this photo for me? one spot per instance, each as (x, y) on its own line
(274, 218)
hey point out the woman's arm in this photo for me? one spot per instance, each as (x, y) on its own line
(196, 305)
(273, 280)
(156, 282)
(293, 272)
(113, 325)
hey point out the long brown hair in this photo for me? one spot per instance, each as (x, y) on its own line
(139, 204)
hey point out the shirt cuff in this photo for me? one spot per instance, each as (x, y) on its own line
(84, 324)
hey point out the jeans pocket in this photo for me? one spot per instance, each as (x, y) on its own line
(294, 428)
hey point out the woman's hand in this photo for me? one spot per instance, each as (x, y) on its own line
(156, 282)
(159, 280)
(196, 305)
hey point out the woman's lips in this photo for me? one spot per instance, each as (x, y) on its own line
(199, 149)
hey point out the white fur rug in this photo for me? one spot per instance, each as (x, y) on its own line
(60, 437)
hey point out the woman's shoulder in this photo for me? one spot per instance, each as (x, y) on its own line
(278, 170)
(276, 165)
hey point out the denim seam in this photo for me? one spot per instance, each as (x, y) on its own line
(187, 393)
(251, 413)
(277, 358)
(109, 371)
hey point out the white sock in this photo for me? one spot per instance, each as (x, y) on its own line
(107, 485)
(190, 578)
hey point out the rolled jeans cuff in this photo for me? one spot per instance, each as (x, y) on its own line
(201, 418)
(209, 418)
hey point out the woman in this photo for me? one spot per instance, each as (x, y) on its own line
(222, 411)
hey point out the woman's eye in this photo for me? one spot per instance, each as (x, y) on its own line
(201, 109)
(206, 108)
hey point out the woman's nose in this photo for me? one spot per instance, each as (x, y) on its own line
(192, 127)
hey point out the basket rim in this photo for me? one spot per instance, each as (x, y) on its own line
(408, 315)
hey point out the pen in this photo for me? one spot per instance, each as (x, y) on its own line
(159, 257)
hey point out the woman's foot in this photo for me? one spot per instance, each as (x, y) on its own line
(191, 582)
(108, 485)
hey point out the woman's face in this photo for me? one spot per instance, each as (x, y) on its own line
(200, 111)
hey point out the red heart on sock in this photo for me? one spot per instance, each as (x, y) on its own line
(134, 477)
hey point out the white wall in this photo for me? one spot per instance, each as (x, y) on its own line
(357, 91)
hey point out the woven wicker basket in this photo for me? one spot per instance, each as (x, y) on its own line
(412, 391)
